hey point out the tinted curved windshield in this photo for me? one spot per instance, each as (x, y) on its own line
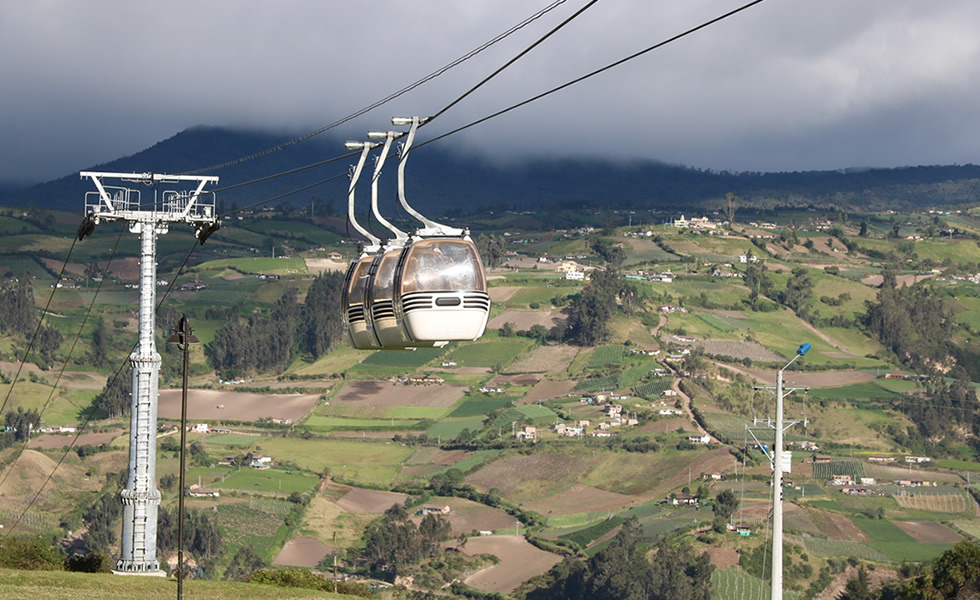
(359, 281)
(442, 266)
(384, 278)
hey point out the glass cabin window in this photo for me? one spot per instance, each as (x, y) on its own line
(442, 266)
(384, 278)
(359, 281)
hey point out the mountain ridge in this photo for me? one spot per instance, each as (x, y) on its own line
(442, 182)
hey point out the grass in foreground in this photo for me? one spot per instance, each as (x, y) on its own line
(60, 585)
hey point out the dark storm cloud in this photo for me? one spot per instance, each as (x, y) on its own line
(786, 85)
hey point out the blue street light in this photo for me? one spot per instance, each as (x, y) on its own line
(803, 349)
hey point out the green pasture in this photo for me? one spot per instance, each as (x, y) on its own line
(584, 537)
(632, 375)
(654, 389)
(366, 462)
(11, 226)
(234, 440)
(497, 353)
(416, 412)
(29, 265)
(241, 524)
(869, 390)
(852, 468)
(970, 315)
(736, 584)
(471, 462)
(242, 236)
(843, 548)
(480, 405)
(910, 551)
(957, 465)
(721, 323)
(539, 415)
(449, 428)
(956, 251)
(881, 530)
(645, 252)
(389, 362)
(306, 231)
(540, 294)
(269, 481)
(321, 423)
(828, 285)
(258, 265)
(610, 383)
(338, 361)
(606, 356)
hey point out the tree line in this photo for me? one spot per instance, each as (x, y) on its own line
(266, 341)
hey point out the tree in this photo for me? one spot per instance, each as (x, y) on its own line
(726, 503)
(491, 249)
(731, 204)
(23, 423)
(243, 564)
(799, 290)
(323, 328)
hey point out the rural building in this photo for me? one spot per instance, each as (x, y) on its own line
(881, 458)
(917, 459)
(682, 500)
(529, 432)
(841, 480)
(197, 491)
(432, 509)
(261, 461)
(426, 379)
(699, 439)
(817, 460)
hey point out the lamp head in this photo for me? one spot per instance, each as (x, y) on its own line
(803, 349)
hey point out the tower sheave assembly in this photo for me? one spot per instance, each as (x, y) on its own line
(175, 199)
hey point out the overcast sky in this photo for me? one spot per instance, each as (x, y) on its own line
(784, 85)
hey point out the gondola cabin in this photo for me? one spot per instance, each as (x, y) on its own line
(359, 333)
(441, 290)
(389, 330)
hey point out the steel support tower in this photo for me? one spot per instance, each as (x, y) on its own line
(169, 204)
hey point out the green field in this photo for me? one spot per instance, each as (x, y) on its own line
(268, 480)
(499, 353)
(448, 429)
(606, 356)
(481, 405)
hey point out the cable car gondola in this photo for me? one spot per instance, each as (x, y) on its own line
(440, 288)
(379, 291)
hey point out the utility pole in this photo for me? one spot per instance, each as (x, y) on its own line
(183, 338)
(777, 480)
(169, 204)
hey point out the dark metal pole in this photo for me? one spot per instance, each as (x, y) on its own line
(185, 335)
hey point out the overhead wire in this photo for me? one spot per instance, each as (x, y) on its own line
(524, 23)
(600, 70)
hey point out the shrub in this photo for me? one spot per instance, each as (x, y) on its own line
(30, 554)
(93, 562)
